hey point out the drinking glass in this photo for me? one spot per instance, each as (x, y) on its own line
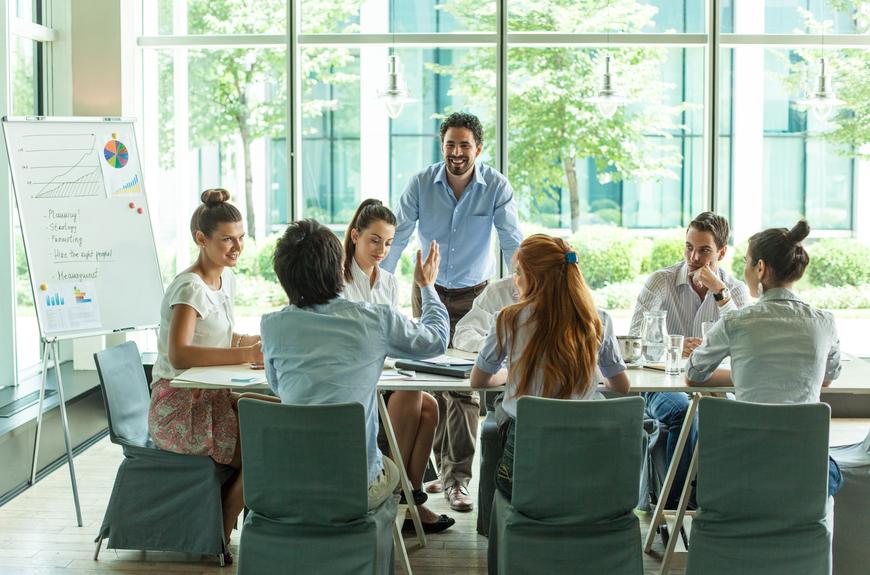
(674, 354)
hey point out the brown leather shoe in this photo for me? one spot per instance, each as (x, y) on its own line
(434, 487)
(457, 496)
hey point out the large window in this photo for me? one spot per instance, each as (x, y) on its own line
(642, 168)
(342, 110)
(804, 171)
(729, 133)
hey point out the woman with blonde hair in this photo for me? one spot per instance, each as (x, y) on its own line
(551, 340)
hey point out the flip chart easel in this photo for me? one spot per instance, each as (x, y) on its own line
(87, 235)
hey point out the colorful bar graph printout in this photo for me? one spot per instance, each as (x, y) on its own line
(53, 300)
(81, 297)
(129, 188)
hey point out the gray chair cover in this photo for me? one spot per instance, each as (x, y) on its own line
(576, 466)
(306, 488)
(852, 517)
(161, 501)
(761, 489)
(490, 454)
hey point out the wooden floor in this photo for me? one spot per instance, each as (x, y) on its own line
(38, 535)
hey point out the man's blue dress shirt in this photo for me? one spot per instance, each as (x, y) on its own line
(462, 228)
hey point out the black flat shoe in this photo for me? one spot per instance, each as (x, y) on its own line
(420, 497)
(438, 526)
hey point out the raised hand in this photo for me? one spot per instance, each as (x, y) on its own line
(425, 273)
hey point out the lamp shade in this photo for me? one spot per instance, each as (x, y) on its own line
(822, 101)
(607, 100)
(395, 95)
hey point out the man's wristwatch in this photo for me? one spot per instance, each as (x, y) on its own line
(723, 295)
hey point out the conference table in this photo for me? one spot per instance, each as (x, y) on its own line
(854, 379)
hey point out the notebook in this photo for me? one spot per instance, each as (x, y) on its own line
(459, 371)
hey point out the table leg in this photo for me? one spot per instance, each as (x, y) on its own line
(659, 513)
(403, 473)
(681, 513)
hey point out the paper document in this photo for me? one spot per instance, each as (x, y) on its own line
(226, 376)
(68, 305)
(449, 360)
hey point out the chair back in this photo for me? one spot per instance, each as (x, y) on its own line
(577, 459)
(304, 462)
(125, 394)
(762, 467)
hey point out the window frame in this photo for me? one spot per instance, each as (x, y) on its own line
(12, 28)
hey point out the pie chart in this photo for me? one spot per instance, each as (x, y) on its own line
(116, 154)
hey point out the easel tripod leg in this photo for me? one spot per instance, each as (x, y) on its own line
(46, 354)
(65, 421)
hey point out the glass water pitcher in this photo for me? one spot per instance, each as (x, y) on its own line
(654, 336)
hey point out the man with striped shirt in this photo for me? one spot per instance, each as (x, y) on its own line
(693, 291)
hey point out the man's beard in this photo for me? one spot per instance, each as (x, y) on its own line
(459, 169)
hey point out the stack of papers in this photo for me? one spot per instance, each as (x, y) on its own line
(224, 376)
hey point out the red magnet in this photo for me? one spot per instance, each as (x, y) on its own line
(132, 205)
(140, 210)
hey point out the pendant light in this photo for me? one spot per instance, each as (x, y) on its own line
(823, 100)
(395, 95)
(607, 99)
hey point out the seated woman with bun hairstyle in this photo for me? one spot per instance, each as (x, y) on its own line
(782, 349)
(196, 329)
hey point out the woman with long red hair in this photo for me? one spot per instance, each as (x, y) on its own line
(550, 341)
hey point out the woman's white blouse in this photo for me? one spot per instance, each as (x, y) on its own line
(214, 316)
(385, 290)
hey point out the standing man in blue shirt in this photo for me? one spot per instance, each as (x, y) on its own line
(456, 203)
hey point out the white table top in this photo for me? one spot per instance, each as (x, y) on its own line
(854, 379)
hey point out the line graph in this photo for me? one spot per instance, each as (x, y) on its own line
(62, 166)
